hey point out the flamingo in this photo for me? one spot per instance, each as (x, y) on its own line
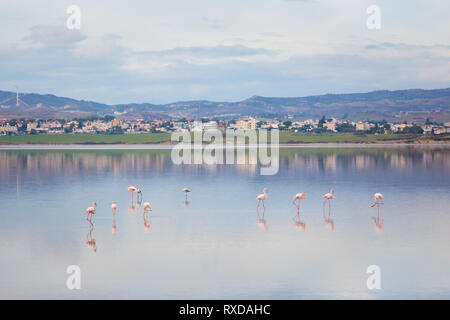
(132, 189)
(147, 206)
(328, 197)
(91, 210)
(377, 199)
(298, 197)
(114, 206)
(138, 195)
(262, 197)
(186, 191)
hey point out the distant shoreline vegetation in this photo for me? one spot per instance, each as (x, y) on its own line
(165, 138)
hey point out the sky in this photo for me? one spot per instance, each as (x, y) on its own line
(177, 50)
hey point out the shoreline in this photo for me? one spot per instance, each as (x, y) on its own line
(169, 146)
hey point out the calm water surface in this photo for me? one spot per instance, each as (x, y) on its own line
(216, 246)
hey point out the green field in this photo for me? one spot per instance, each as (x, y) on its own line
(155, 138)
(87, 139)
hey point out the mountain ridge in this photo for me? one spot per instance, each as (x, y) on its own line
(387, 104)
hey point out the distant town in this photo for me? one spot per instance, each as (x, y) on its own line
(112, 125)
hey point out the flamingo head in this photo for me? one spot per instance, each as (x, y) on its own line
(266, 190)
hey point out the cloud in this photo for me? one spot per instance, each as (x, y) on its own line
(212, 23)
(54, 36)
(220, 51)
(405, 46)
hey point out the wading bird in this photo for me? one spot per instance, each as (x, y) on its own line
(377, 199)
(147, 207)
(328, 222)
(91, 210)
(138, 196)
(298, 197)
(262, 197)
(186, 191)
(328, 197)
(132, 189)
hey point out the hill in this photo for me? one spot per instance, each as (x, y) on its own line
(411, 105)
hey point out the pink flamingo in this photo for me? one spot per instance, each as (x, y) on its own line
(328, 197)
(91, 210)
(298, 196)
(132, 189)
(147, 207)
(378, 201)
(262, 197)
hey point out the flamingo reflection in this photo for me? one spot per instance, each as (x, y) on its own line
(261, 222)
(378, 222)
(114, 227)
(146, 217)
(90, 241)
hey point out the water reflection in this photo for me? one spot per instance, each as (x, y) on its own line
(56, 163)
(147, 221)
(218, 231)
(90, 241)
(114, 226)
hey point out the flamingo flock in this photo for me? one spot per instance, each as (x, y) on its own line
(298, 223)
(92, 210)
(329, 223)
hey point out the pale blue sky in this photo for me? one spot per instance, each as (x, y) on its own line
(165, 51)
